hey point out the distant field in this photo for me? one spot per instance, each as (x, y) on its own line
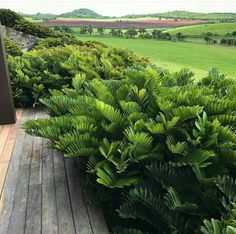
(32, 20)
(112, 19)
(122, 23)
(176, 55)
(197, 30)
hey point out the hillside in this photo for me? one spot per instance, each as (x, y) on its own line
(85, 13)
(81, 13)
(189, 15)
(220, 29)
(39, 16)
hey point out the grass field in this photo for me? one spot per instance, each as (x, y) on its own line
(33, 20)
(198, 30)
(176, 55)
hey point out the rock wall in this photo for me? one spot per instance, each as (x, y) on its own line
(25, 41)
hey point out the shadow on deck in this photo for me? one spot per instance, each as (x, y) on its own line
(40, 190)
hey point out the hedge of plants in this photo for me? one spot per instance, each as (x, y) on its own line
(13, 20)
(37, 72)
(159, 149)
(12, 48)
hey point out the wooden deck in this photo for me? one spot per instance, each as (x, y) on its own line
(40, 190)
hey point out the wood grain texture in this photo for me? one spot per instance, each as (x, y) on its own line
(18, 214)
(12, 177)
(49, 205)
(64, 210)
(41, 190)
(78, 204)
(6, 151)
(34, 201)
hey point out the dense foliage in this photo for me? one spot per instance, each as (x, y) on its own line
(159, 148)
(12, 48)
(36, 72)
(228, 41)
(13, 20)
(49, 42)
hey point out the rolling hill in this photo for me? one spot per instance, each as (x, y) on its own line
(189, 15)
(81, 13)
(39, 16)
(85, 13)
(220, 29)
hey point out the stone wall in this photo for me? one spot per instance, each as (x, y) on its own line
(25, 41)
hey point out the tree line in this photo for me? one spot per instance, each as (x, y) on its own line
(131, 33)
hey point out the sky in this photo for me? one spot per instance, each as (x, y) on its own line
(118, 8)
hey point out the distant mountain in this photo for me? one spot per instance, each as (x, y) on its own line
(85, 13)
(82, 13)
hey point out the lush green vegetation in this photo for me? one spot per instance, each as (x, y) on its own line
(158, 148)
(220, 29)
(228, 41)
(12, 48)
(171, 156)
(33, 20)
(13, 20)
(37, 72)
(175, 55)
(56, 41)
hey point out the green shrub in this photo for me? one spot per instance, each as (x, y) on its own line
(12, 48)
(9, 18)
(13, 20)
(158, 147)
(36, 72)
(56, 41)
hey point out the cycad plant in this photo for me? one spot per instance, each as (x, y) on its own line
(163, 141)
(36, 72)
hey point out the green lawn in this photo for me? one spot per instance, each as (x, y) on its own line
(33, 20)
(176, 55)
(198, 30)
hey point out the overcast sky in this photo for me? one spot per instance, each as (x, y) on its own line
(119, 8)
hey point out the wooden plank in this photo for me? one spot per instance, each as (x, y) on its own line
(12, 177)
(65, 217)
(95, 215)
(7, 150)
(49, 206)
(34, 202)
(3, 137)
(42, 192)
(18, 214)
(80, 214)
(5, 130)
